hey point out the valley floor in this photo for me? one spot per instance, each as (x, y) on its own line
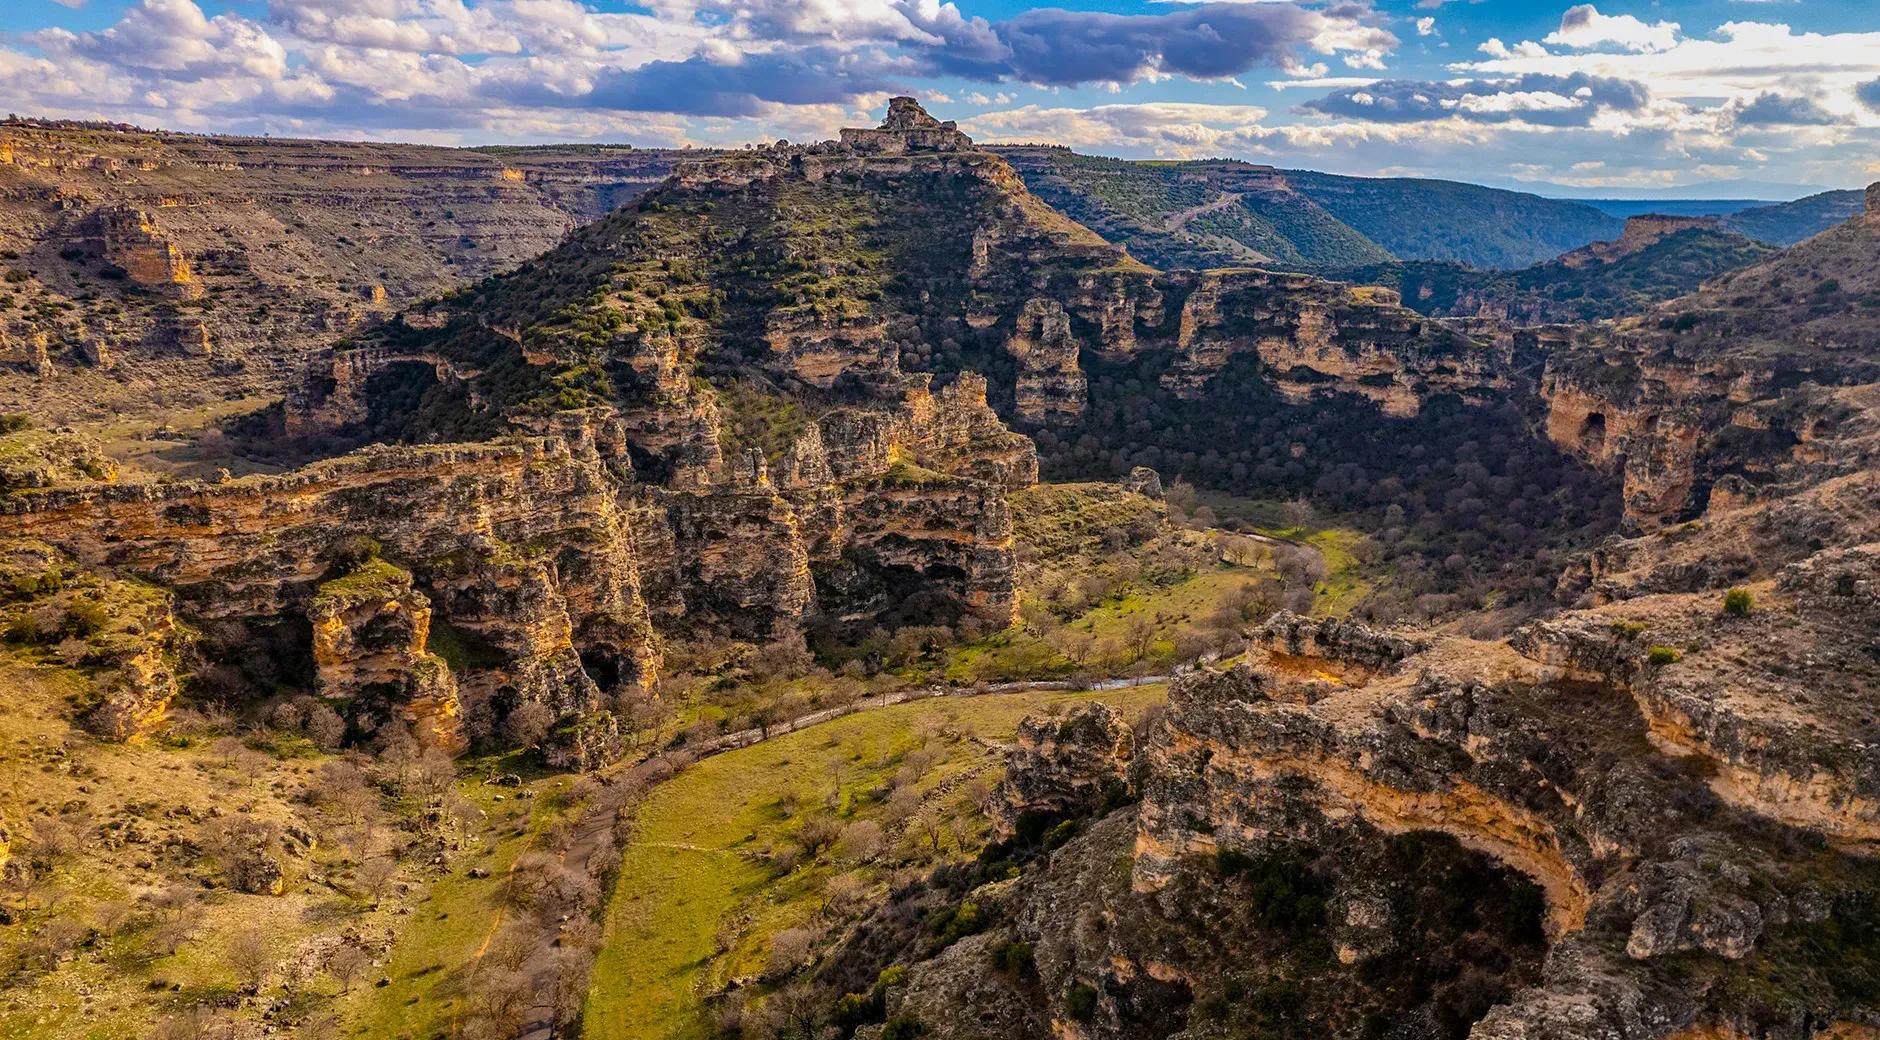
(709, 881)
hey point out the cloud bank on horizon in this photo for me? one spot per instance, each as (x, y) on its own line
(1490, 90)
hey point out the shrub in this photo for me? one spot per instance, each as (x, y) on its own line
(23, 629)
(85, 619)
(1627, 629)
(903, 1027)
(1659, 656)
(1283, 890)
(952, 924)
(1014, 958)
(14, 422)
(1081, 1002)
(1736, 602)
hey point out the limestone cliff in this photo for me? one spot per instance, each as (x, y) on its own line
(372, 638)
(521, 547)
(1277, 816)
(1748, 379)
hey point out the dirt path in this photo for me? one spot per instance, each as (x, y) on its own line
(597, 822)
(1177, 221)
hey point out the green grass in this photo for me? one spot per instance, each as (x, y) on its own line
(1017, 653)
(449, 928)
(1345, 583)
(374, 579)
(691, 866)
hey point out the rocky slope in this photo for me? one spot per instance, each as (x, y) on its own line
(1755, 387)
(1656, 259)
(148, 270)
(1684, 878)
(1661, 800)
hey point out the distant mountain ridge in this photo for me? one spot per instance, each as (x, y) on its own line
(1215, 213)
(1786, 223)
(1659, 257)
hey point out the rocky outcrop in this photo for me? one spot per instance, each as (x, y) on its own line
(1316, 337)
(371, 638)
(1563, 773)
(130, 240)
(738, 555)
(907, 128)
(1051, 386)
(1308, 659)
(333, 395)
(1769, 699)
(25, 349)
(1641, 232)
(522, 547)
(1071, 765)
(1143, 481)
(957, 432)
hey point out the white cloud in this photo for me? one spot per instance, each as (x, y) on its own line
(1426, 26)
(1166, 129)
(1583, 26)
(1739, 60)
(1494, 48)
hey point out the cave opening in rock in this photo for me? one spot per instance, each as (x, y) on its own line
(1593, 433)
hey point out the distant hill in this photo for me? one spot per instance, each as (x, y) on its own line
(1216, 213)
(1673, 207)
(1658, 258)
(1194, 214)
(1447, 220)
(1786, 223)
(1811, 307)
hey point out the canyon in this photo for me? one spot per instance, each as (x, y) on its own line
(615, 428)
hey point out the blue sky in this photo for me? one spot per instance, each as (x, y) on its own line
(1610, 97)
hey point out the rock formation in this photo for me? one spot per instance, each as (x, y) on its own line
(1068, 766)
(522, 547)
(130, 240)
(907, 128)
(371, 639)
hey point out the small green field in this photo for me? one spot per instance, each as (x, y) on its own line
(696, 899)
(1345, 582)
(457, 918)
(1019, 653)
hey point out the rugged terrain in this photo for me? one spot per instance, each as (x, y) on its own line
(1786, 223)
(147, 272)
(1574, 619)
(1655, 259)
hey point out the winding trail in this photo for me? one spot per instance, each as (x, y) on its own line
(599, 819)
(1177, 221)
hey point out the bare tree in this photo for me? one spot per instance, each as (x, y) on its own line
(1076, 645)
(528, 724)
(789, 949)
(325, 728)
(250, 958)
(1139, 633)
(346, 963)
(375, 877)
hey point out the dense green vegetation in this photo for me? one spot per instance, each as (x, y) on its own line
(1465, 507)
(1446, 220)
